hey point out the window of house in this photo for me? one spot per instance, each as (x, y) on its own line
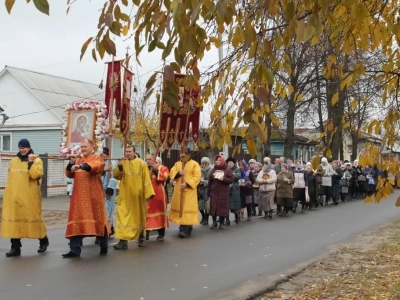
(5, 142)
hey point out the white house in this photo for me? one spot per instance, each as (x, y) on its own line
(34, 103)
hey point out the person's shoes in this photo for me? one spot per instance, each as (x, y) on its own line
(160, 238)
(214, 225)
(103, 251)
(142, 243)
(121, 246)
(302, 210)
(227, 222)
(221, 225)
(182, 234)
(97, 241)
(43, 248)
(205, 222)
(70, 254)
(13, 252)
(249, 218)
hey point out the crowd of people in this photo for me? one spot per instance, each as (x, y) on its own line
(215, 189)
(265, 189)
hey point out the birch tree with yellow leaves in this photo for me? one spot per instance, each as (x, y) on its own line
(184, 31)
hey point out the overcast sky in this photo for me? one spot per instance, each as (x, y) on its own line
(34, 41)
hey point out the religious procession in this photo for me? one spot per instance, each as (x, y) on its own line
(127, 198)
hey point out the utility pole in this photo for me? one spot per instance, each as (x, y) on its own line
(4, 116)
(225, 149)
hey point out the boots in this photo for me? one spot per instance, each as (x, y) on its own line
(253, 210)
(202, 216)
(205, 221)
(221, 223)
(237, 218)
(15, 251)
(214, 224)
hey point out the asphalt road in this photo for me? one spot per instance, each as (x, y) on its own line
(218, 264)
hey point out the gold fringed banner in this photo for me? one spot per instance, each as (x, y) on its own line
(179, 125)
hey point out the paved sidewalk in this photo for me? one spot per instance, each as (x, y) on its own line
(53, 203)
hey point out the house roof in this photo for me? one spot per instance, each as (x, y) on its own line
(55, 92)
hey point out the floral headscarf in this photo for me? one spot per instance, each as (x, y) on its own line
(246, 168)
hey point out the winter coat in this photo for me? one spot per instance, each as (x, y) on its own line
(202, 188)
(219, 191)
(335, 190)
(312, 183)
(284, 189)
(267, 184)
(234, 197)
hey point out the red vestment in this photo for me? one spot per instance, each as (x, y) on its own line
(157, 207)
(87, 210)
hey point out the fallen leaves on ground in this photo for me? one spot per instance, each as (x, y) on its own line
(365, 270)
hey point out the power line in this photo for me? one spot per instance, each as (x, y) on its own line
(58, 106)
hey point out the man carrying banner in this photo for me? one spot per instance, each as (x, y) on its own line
(135, 189)
(157, 218)
(186, 175)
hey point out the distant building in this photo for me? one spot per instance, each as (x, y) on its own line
(34, 103)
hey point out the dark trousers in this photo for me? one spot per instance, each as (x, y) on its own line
(186, 229)
(161, 231)
(75, 243)
(16, 243)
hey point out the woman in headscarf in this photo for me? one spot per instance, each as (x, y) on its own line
(234, 197)
(218, 190)
(246, 187)
(202, 189)
(267, 181)
(284, 190)
(312, 186)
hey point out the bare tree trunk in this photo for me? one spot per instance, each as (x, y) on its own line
(354, 145)
(289, 136)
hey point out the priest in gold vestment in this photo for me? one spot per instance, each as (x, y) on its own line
(185, 175)
(135, 189)
(87, 210)
(22, 202)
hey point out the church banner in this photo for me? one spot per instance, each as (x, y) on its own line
(126, 102)
(180, 125)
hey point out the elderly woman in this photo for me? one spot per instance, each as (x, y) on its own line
(312, 186)
(284, 190)
(246, 187)
(326, 184)
(256, 191)
(218, 190)
(267, 186)
(202, 189)
(234, 196)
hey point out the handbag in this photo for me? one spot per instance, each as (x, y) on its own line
(208, 206)
(361, 178)
(318, 179)
(343, 182)
(371, 180)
